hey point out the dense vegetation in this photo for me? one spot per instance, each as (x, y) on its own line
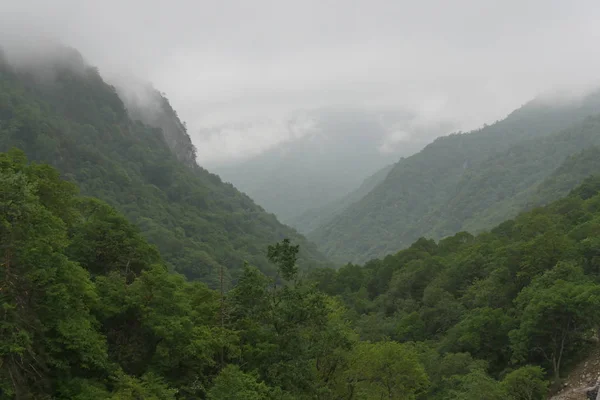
(526, 292)
(95, 303)
(62, 112)
(570, 174)
(465, 181)
(90, 310)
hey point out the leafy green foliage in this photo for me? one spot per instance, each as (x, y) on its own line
(526, 383)
(290, 334)
(384, 370)
(483, 333)
(477, 385)
(47, 330)
(525, 293)
(557, 312)
(284, 255)
(92, 311)
(232, 383)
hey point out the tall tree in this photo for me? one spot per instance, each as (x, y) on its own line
(557, 312)
(47, 333)
(384, 370)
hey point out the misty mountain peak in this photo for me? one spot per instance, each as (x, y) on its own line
(148, 105)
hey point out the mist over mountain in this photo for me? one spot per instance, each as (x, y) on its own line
(467, 181)
(128, 147)
(328, 154)
(147, 104)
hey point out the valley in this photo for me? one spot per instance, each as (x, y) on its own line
(370, 252)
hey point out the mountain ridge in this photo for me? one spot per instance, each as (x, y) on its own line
(71, 118)
(411, 199)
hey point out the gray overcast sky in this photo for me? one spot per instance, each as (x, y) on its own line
(221, 61)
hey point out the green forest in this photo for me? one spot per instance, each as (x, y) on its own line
(128, 272)
(91, 311)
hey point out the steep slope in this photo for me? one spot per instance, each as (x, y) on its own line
(91, 312)
(310, 220)
(60, 111)
(430, 193)
(331, 152)
(510, 182)
(570, 174)
(146, 104)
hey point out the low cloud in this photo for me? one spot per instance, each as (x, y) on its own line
(240, 141)
(232, 63)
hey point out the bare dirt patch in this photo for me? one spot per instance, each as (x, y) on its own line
(582, 379)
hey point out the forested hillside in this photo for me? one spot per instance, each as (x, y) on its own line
(310, 220)
(60, 111)
(570, 174)
(90, 310)
(515, 180)
(525, 293)
(463, 181)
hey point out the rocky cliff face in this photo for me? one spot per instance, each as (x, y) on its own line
(142, 100)
(146, 104)
(584, 380)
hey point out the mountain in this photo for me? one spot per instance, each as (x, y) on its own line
(140, 160)
(515, 180)
(329, 153)
(310, 220)
(462, 181)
